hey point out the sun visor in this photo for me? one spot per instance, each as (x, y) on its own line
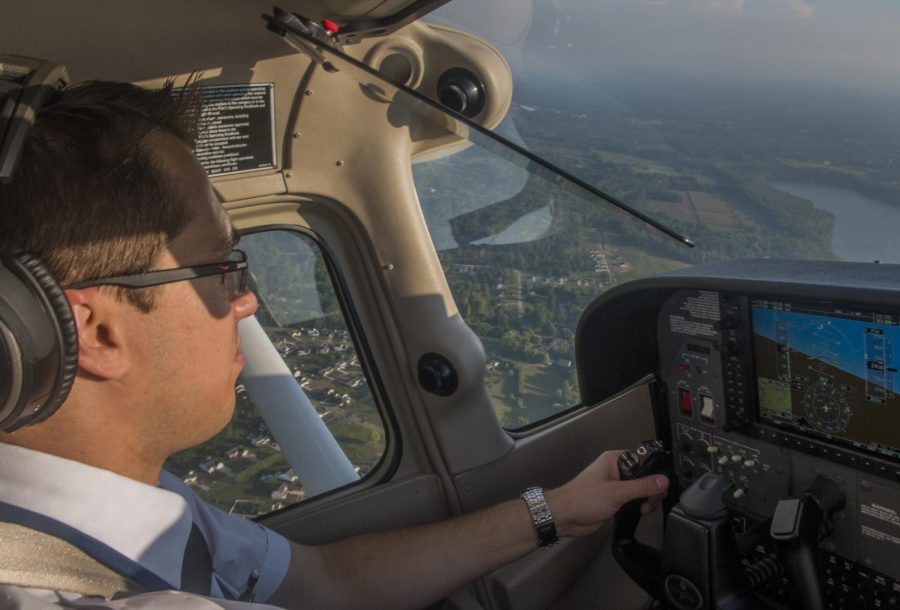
(353, 20)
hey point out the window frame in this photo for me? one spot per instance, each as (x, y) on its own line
(390, 459)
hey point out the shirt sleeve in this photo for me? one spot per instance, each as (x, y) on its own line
(237, 546)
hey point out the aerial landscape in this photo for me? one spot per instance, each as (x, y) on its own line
(717, 161)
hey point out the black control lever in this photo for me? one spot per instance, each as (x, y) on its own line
(798, 526)
(641, 562)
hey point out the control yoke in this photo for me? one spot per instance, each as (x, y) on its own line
(641, 562)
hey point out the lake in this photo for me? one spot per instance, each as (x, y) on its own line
(865, 229)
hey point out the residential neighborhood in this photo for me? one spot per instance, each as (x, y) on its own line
(243, 470)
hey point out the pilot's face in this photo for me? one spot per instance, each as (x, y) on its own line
(192, 339)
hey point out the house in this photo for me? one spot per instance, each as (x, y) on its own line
(211, 466)
(289, 476)
(239, 452)
(258, 440)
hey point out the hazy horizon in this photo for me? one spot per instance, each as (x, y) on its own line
(851, 45)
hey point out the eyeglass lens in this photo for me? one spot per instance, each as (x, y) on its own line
(235, 282)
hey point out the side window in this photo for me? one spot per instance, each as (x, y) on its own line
(244, 469)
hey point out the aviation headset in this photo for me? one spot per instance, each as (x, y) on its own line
(38, 336)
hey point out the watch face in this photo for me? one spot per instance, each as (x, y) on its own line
(547, 534)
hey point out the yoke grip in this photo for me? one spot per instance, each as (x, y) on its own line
(641, 562)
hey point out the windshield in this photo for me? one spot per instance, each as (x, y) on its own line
(758, 128)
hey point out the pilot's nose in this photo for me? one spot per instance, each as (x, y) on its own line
(245, 305)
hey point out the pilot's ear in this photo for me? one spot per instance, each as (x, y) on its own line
(101, 332)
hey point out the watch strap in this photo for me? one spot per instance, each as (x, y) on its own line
(541, 516)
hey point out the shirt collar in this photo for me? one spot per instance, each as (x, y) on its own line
(146, 524)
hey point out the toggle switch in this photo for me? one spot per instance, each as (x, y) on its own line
(707, 409)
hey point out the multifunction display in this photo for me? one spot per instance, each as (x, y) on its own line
(829, 372)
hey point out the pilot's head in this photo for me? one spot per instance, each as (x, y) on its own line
(107, 187)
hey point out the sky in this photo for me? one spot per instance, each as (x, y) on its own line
(855, 43)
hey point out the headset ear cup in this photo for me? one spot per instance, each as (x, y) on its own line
(64, 321)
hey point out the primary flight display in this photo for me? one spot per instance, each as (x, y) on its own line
(829, 372)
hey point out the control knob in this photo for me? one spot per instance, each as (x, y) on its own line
(701, 447)
(686, 443)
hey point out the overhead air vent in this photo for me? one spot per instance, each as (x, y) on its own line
(462, 91)
(437, 375)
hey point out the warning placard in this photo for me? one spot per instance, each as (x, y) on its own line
(879, 526)
(238, 129)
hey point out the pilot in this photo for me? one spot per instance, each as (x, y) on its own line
(108, 192)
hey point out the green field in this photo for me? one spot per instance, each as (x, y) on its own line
(636, 163)
(643, 264)
(541, 385)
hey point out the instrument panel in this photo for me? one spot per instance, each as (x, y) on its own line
(771, 374)
(770, 392)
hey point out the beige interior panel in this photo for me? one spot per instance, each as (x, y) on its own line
(371, 176)
(144, 41)
(412, 501)
(553, 456)
(548, 459)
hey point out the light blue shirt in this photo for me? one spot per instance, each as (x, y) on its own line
(149, 525)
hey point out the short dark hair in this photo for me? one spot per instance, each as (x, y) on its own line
(87, 197)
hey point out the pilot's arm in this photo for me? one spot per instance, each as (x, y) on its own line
(417, 566)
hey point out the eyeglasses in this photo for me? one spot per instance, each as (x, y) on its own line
(233, 272)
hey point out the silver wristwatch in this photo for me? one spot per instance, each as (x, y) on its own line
(541, 516)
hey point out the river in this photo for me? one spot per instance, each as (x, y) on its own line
(865, 229)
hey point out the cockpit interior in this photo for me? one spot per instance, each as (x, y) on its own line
(450, 311)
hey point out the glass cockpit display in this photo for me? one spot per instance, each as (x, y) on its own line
(829, 372)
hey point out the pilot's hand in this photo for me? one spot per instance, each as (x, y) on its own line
(586, 502)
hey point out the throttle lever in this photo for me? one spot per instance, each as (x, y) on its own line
(641, 562)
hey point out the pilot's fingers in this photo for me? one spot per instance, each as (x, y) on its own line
(610, 463)
(645, 487)
(651, 504)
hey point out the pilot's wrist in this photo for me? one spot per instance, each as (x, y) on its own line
(542, 518)
(556, 500)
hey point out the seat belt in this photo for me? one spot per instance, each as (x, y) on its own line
(31, 558)
(27, 531)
